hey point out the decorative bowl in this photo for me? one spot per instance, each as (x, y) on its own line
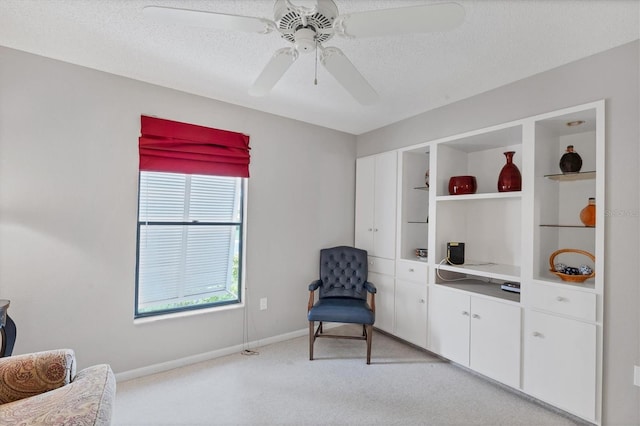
(459, 185)
(580, 278)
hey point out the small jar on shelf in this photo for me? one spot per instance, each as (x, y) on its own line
(588, 214)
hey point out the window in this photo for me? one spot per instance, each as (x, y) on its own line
(189, 242)
(190, 217)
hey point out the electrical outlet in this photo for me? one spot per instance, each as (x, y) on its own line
(636, 375)
(263, 304)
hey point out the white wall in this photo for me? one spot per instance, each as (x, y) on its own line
(68, 204)
(613, 75)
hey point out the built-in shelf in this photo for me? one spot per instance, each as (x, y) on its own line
(417, 221)
(482, 196)
(422, 188)
(484, 288)
(572, 176)
(567, 226)
(485, 269)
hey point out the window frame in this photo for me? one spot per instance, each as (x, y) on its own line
(241, 256)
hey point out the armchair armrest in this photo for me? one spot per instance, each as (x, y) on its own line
(314, 285)
(372, 290)
(370, 287)
(22, 376)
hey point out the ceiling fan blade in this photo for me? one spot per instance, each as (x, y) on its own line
(275, 69)
(218, 21)
(402, 20)
(347, 75)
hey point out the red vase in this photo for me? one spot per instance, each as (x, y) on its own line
(460, 185)
(510, 178)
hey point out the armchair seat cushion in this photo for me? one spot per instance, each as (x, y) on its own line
(342, 310)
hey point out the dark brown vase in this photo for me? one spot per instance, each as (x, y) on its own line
(510, 178)
(570, 162)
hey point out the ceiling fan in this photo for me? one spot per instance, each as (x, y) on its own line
(308, 27)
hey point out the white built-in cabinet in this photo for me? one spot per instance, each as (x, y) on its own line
(564, 321)
(411, 302)
(375, 228)
(375, 224)
(381, 273)
(561, 362)
(546, 340)
(479, 332)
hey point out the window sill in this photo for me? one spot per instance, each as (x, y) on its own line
(190, 313)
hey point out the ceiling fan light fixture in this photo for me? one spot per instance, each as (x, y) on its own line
(305, 40)
(289, 18)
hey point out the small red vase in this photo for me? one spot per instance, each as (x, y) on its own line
(510, 178)
(461, 185)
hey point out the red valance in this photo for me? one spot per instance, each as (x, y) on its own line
(171, 146)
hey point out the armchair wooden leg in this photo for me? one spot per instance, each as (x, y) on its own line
(312, 338)
(369, 336)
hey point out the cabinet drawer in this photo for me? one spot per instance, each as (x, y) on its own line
(578, 304)
(381, 266)
(411, 271)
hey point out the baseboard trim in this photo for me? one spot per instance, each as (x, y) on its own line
(206, 356)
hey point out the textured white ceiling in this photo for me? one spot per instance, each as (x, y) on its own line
(500, 42)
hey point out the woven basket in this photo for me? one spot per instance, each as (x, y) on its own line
(567, 277)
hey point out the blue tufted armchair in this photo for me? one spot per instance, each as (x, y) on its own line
(342, 295)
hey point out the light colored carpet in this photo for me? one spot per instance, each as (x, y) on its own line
(280, 386)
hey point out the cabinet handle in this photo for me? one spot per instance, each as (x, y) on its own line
(465, 313)
(422, 301)
(371, 263)
(375, 229)
(476, 316)
(370, 229)
(411, 270)
(537, 334)
(562, 299)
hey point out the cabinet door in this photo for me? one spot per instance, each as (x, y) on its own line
(411, 312)
(365, 168)
(385, 301)
(495, 340)
(560, 362)
(385, 184)
(449, 313)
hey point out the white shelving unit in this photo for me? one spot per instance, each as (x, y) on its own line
(562, 361)
(489, 222)
(546, 340)
(413, 228)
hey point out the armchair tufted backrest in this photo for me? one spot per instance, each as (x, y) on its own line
(343, 272)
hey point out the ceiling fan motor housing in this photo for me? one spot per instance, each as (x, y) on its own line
(303, 29)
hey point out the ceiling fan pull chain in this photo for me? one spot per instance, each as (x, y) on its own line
(315, 78)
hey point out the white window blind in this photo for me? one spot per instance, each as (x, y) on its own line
(188, 240)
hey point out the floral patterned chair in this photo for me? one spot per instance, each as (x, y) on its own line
(43, 388)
